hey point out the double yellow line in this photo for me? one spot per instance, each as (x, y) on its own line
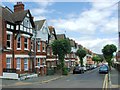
(105, 83)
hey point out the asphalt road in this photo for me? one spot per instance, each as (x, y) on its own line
(90, 79)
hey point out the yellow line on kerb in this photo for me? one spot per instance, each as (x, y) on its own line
(105, 82)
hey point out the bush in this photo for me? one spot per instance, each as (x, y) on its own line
(65, 71)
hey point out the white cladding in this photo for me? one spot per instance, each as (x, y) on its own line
(43, 32)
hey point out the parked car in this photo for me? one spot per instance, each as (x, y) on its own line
(93, 66)
(103, 69)
(78, 70)
(88, 67)
(84, 68)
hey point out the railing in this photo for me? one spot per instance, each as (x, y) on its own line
(9, 70)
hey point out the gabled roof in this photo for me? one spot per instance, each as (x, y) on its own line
(52, 31)
(14, 17)
(39, 24)
(7, 15)
(72, 43)
(61, 36)
(19, 16)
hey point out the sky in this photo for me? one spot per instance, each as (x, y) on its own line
(91, 23)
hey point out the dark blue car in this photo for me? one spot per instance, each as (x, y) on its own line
(103, 69)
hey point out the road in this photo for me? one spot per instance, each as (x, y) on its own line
(90, 79)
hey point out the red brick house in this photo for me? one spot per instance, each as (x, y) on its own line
(51, 60)
(42, 35)
(17, 45)
(71, 59)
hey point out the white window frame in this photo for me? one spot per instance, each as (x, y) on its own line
(38, 62)
(38, 45)
(48, 51)
(19, 42)
(12, 27)
(43, 46)
(26, 43)
(18, 63)
(17, 27)
(25, 69)
(8, 63)
(8, 26)
(21, 27)
(32, 45)
(30, 30)
(9, 41)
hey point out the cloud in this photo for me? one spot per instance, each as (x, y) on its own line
(41, 9)
(100, 18)
(97, 44)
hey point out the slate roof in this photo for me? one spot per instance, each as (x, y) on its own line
(72, 43)
(19, 16)
(7, 15)
(61, 36)
(39, 24)
(14, 17)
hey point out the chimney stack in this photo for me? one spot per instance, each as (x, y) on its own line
(19, 7)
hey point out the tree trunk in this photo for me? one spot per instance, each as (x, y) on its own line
(62, 63)
(81, 61)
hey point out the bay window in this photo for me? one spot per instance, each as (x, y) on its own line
(25, 64)
(19, 42)
(8, 63)
(8, 41)
(38, 62)
(38, 46)
(18, 63)
(25, 43)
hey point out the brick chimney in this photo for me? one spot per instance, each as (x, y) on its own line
(19, 7)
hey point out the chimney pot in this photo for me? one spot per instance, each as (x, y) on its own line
(19, 7)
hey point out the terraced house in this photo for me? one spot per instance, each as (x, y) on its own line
(17, 28)
(71, 59)
(42, 35)
(51, 60)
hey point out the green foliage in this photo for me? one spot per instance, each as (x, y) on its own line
(65, 71)
(81, 53)
(108, 51)
(97, 58)
(61, 48)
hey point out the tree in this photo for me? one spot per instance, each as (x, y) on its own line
(97, 58)
(81, 53)
(108, 51)
(61, 48)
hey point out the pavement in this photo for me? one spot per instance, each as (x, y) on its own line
(38, 80)
(89, 79)
(114, 78)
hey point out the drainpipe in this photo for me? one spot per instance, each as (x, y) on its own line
(35, 51)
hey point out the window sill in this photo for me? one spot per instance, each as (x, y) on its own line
(44, 51)
(25, 69)
(26, 49)
(38, 51)
(18, 48)
(9, 48)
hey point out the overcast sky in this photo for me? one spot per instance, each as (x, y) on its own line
(92, 24)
